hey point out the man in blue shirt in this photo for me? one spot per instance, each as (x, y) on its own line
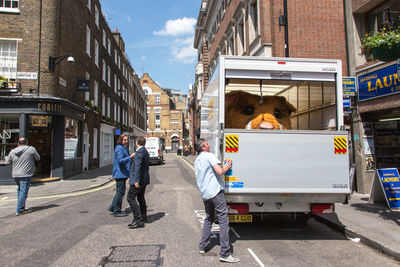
(208, 177)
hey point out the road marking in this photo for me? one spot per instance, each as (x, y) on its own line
(236, 234)
(201, 215)
(66, 194)
(187, 163)
(4, 198)
(256, 258)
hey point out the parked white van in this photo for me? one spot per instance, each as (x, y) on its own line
(154, 147)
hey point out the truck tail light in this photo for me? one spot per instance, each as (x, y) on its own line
(238, 209)
(322, 208)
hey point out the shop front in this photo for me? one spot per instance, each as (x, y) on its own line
(379, 128)
(52, 125)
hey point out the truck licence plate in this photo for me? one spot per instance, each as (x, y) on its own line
(240, 218)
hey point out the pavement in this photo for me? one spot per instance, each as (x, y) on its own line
(375, 224)
(372, 224)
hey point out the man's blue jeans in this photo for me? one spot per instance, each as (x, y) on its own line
(22, 192)
(120, 187)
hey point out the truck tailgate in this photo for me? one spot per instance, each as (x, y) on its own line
(287, 162)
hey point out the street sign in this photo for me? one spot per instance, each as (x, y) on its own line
(349, 86)
(118, 131)
(346, 102)
(390, 182)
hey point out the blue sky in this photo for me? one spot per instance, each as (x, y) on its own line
(158, 36)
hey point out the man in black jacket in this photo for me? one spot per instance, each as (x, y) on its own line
(139, 178)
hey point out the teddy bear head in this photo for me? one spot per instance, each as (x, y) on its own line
(245, 111)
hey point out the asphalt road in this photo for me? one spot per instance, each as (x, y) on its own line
(79, 231)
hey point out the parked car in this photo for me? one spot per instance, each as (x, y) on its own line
(154, 147)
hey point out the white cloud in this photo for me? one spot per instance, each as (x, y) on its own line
(177, 27)
(143, 58)
(183, 51)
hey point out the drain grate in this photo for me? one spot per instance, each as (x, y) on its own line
(134, 256)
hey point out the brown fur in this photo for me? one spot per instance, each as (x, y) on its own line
(238, 103)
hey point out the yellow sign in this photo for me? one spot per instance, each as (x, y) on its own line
(39, 121)
(232, 143)
(231, 179)
(340, 144)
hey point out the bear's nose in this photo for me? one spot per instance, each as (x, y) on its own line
(266, 125)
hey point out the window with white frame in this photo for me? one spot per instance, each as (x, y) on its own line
(9, 6)
(95, 143)
(116, 56)
(89, 4)
(87, 94)
(240, 37)
(104, 70)
(96, 16)
(108, 107)
(95, 93)
(96, 53)
(109, 46)
(157, 99)
(119, 113)
(115, 82)
(8, 58)
(253, 11)
(115, 112)
(87, 40)
(103, 104)
(104, 39)
(108, 75)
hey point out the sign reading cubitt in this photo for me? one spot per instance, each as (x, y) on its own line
(83, 85)
(390, 181)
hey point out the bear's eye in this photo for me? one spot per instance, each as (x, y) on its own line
(278, 114)
(249, 110)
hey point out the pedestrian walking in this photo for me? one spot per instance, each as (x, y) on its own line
(139, 178)
(23, 160)
(121, 165)
(208, 172)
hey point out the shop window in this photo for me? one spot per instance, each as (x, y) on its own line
(9, 133)
(72, 138)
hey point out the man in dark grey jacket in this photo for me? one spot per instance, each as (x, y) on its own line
(23, 160)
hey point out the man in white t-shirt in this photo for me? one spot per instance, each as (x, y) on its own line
(208, 177)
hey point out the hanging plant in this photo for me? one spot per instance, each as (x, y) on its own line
(383, 45)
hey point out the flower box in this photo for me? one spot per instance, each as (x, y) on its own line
(385, 53)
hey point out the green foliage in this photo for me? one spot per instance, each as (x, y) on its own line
(385, 38)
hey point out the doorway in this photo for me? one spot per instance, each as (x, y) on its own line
(40, 139)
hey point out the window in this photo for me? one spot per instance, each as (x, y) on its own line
(95, 143)
(108, 75)
(157, 115)
(103, 104)
(253, 29)
(157, 99)
(72, 139)
(115, 82)
(87, 94)
(108, 107)
(9, 6)
(240, 32)
(96, 53)
(104, 70)
(96, 16)
(87, 40)
(95, 93)
(115, 112)
(104, 39)
(8, 58)
(115, 56)
(89, 4)
(109, 46)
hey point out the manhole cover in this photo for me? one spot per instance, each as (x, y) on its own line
(134, 256)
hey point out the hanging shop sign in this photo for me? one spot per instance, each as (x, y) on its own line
(349, 86)
(379, 83)
(83, 85)
(39, 120)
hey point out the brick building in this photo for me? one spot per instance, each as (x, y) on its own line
(376, 112)
(67, 84)
(300, 29)
(167, 115)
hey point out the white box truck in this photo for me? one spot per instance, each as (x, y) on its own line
(300, 169)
